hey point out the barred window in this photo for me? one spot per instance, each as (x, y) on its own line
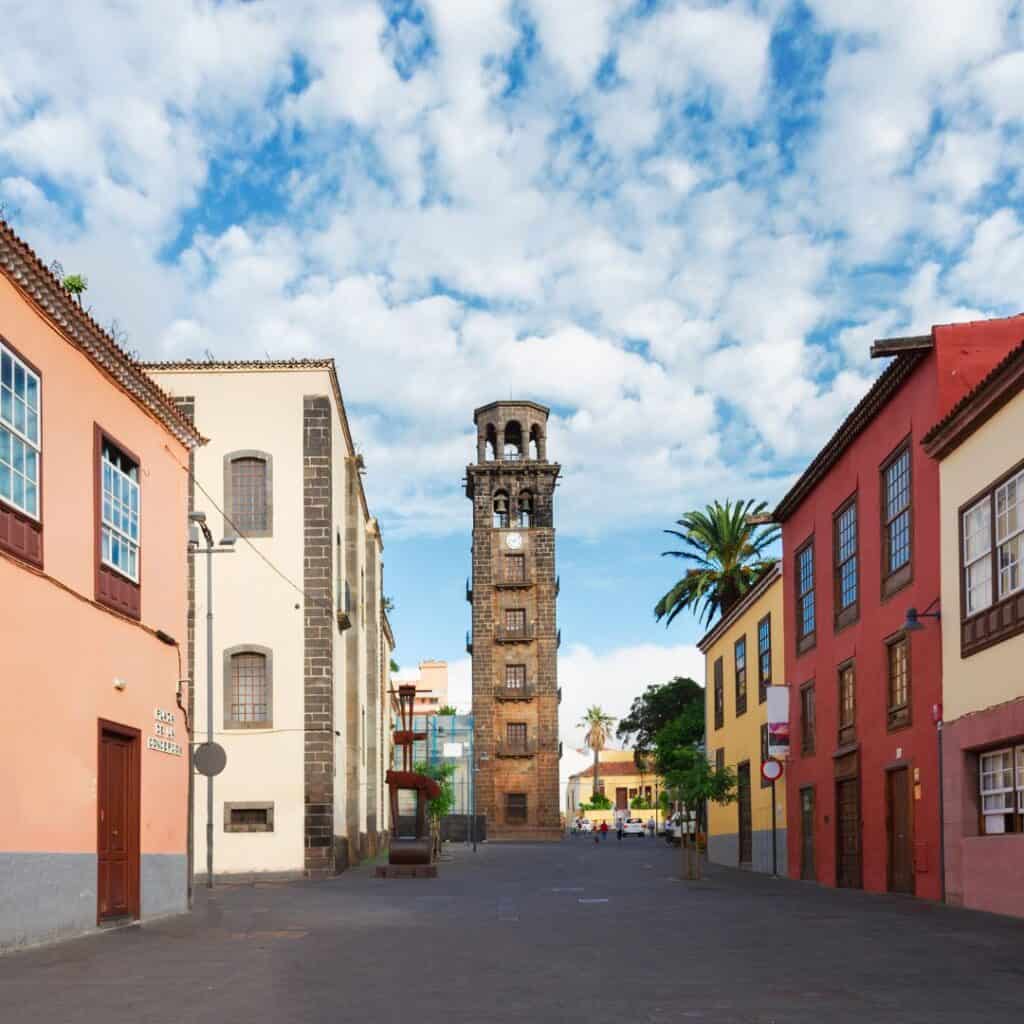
(249, 494)
(515, 568)
(515, 620)
(248, 696)
(515, 734)
(515, 677)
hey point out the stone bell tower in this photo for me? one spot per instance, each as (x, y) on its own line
(514, 642)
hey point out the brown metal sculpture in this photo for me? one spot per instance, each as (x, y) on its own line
(409, 855)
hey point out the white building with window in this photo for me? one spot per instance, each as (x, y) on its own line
(301, 643)
(980, 445)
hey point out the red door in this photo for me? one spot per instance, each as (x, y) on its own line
(118, 823)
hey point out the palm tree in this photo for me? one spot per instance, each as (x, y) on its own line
(726, 546)
(599, 727)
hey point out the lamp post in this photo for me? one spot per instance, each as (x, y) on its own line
(198, 521)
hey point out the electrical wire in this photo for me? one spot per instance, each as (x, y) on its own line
(312, 601)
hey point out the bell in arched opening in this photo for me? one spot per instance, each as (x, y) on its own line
(525, 507)
(501, 510)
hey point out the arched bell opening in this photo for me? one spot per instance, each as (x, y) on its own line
(513, 447)
(501, 510)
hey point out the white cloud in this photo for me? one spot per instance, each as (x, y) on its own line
(454, 215)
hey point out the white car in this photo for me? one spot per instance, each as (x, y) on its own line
(586, 825)
(674, 827)
(634, 827)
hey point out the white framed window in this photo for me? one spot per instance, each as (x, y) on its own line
(977, 545)
(20, 444)
(119, 541)
(997, 782)
(1010, 534)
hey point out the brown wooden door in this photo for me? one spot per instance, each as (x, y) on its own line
(621, 798)
(745, 824)
(901, 833)
(118, 823)
(807, 871)
(848, 834)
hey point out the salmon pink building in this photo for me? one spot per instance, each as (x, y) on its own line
(93, 535)
(860, 533)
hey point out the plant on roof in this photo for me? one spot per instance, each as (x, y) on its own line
(725, 549)
(76, 284)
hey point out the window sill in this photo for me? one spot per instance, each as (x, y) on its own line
(806, 643)
(247, 726)
(898, 720)
(846, 618)
(897, 581)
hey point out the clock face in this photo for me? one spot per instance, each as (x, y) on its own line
(514, 541)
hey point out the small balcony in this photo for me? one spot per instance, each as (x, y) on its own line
(522, 748)
(505, 635)
(559, 695)
(469, 643)
(558, 639)
(469, 592)
(558, 585)
(510, 581)
(524, 691)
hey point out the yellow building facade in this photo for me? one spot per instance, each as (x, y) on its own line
(620, 780)
(743, 656)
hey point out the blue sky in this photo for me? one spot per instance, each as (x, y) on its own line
(679, 223)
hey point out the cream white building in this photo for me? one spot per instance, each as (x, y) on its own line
(302, 646)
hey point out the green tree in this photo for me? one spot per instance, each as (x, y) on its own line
(394, 666)
(655, 708)
(598, 727)
(442, 804)
(725, 552)
(447, 709)
(694, 783)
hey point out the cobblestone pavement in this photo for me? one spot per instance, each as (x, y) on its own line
(566, 933)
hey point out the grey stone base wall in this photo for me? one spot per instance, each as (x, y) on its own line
(725, 849)
(49, 896)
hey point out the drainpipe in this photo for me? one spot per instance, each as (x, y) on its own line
(942, 810)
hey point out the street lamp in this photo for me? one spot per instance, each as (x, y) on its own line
(198, 521)
(912, 623)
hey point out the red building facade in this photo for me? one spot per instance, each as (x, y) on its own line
(860, 532)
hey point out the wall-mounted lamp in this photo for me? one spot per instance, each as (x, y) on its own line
(913, 624)
(120, 684)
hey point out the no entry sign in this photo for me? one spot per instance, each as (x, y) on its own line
(771, 769)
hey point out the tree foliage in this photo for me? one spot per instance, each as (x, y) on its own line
(444, 774)
(447, 710)
(76, 284)
(598, 727)
(725, 554)
(656, 708)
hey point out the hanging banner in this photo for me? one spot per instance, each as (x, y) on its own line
(778, 721)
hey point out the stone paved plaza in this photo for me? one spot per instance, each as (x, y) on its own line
(562, 933)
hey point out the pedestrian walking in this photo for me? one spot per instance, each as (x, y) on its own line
(604, 829)
(651, 826)
(618, 828)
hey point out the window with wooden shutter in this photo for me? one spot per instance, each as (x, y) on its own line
(844, 550)
(847, 704)
(719, 694)
(740, 661)
(897, 524)
(898, 662)
(807, 718)
(806, 614)
(764, 658)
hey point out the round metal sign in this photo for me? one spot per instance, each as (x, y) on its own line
(210, 759)
(771, 769)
